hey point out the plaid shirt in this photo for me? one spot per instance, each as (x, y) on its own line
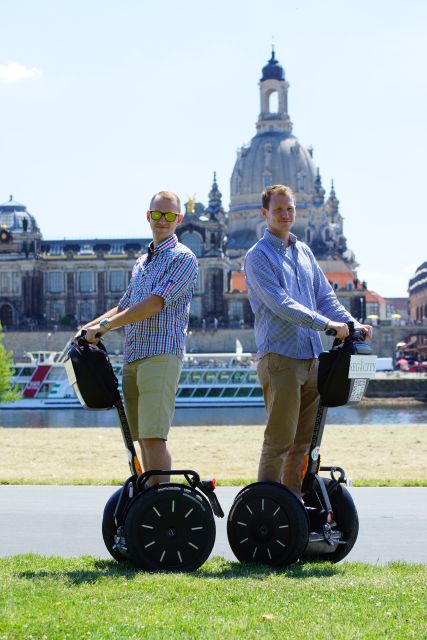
(290, 297)
(170, 271)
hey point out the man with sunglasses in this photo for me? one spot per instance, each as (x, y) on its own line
(154, 311)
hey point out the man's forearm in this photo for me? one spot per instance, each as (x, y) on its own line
(107, 314)
(137, 312)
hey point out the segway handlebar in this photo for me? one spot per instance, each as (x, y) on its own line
(354, 333)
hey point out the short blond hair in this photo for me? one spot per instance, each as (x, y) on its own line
(168, 195)
(280, 189)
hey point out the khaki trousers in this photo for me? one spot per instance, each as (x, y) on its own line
(291, 400)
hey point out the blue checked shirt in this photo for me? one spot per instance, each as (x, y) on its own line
(290, 297)
(170, 271)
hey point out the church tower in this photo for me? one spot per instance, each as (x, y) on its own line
(275, 156)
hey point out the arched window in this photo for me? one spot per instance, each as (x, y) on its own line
(194, 242)
(6, 315)
(273, 102)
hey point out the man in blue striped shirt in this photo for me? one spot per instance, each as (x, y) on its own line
(154, 311)
(292, 302)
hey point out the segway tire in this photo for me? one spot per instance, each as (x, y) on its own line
(169, 527)
(109, 528)
(347, 521)
(267, 524)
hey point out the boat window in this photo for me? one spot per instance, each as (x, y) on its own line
(252, 377)
(229, 392)
(56, 373)
(256, 393)
(215, 392)
(243, 392)
(195, 376)
(44, 391)
(27, 371)
(200, 392)
(183, 377)
(224, 376)
(186, 392)
(238, 376)
(210, 377)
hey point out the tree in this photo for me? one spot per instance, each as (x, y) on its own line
(7, 392)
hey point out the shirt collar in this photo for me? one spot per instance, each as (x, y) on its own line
(276, 242)
(169, 243)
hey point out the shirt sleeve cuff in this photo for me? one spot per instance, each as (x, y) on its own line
(319, 323)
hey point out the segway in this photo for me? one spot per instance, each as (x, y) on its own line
(168, 527)
(268, 522)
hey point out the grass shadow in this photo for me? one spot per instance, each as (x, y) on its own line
(103, 569)
(230, 570)
(214, 568)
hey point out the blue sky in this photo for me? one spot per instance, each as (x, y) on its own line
(102, 103)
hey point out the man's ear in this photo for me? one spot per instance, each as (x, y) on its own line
(264, 212)
(179, 218)
(148, 216)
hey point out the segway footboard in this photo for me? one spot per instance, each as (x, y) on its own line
(333, 540)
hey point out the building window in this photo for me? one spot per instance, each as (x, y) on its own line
(349, 286)
(196, 308)
(55, 282)
(5, 283)
(56, 311)
(117, 281)
(198, 287)
(86, 250)
(56, 250)
(86, 282)
(235, 310)
(194, 242)
(86, 311)
(117, 249)
(7, 220)
(17, 283)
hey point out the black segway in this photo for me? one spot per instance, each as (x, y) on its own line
(167, 527)
(268, 523)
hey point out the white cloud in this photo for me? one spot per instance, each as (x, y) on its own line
(15, 72)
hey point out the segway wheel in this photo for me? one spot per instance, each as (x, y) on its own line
(347, 521)
(268, 525)
(109, 529)
(169, 527)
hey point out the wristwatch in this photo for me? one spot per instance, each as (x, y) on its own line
(105, 324)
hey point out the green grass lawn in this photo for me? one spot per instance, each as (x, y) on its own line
(55, 598)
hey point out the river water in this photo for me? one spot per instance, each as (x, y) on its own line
(361, 415)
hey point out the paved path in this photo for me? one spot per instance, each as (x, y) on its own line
(66, 521)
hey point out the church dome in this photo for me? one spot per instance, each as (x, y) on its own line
(15, 217)
(275, 158)
(273, 70)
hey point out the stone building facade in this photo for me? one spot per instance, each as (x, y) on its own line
(65, 282)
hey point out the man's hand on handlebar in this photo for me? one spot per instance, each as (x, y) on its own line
(94, 334)
(340, 328)
(367, 328)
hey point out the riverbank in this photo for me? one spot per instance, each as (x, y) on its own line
(370, 455)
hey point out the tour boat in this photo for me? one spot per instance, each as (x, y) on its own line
(207, 380)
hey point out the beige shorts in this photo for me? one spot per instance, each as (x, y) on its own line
(149, 389)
